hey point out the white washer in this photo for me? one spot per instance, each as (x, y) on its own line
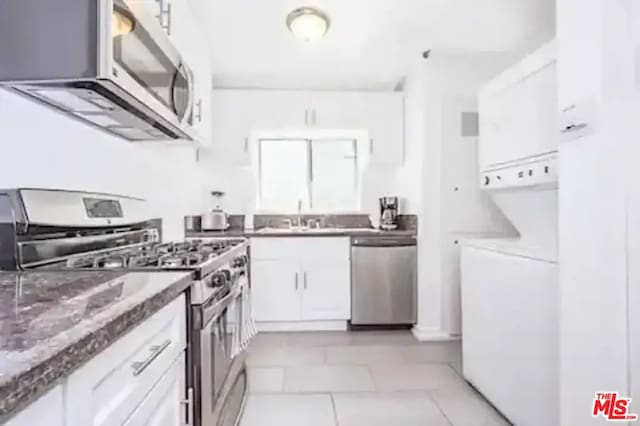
(510, 328)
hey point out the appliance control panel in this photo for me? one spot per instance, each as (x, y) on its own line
(527, 174)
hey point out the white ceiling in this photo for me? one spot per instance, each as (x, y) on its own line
(370, 43)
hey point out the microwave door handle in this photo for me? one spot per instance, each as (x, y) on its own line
(191, 90)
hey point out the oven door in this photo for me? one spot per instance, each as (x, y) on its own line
(147, 64)
(217, 344)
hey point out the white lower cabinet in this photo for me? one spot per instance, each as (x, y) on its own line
(163, 406)
(326, 288)
(275, 294)
(301, 279)
(138, 380)
(47, 410)
(110, 387)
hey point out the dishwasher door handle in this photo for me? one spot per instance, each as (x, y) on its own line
(381, 241)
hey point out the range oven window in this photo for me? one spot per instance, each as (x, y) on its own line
(137, 52)
(100, 208)
(220, 353)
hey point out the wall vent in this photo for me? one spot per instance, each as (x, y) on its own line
(469, 126)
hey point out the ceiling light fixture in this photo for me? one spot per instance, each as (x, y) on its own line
(308, 23)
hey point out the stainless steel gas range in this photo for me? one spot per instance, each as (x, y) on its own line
(51, 230)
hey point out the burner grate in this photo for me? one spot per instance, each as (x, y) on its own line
(156, 255)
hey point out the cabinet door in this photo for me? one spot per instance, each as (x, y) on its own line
(47, 410)
(326, 289)
(232, 114)
(385, 115)
(165, 404)
(191, 41)
(339, 110)
(275, 109)
(275, 290)
(202, 107)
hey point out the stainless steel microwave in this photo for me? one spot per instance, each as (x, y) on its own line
(108, 63)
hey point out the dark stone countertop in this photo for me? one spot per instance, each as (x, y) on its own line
(51, 323)
(288, 233)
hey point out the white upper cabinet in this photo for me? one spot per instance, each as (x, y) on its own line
(385, 113)
(186, 32)
(232, 116)
(379, 113)
(236, 114)
(339, 110)
(280, 109)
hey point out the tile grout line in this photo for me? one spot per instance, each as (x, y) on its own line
(335, 410)
(435, 402)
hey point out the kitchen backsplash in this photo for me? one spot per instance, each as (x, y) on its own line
(236, 222)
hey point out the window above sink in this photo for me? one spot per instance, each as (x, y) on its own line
(317, 174)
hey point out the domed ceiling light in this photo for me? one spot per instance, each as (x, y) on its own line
(308, 23)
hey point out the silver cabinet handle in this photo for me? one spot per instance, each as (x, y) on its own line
(156, 350)
(574, 127)
(188, 403)
(304, 276)
(246, 145)
(306, 117)
(313, 117)
(165, 14)
(296, 280)
(199, 110)
(371, 146)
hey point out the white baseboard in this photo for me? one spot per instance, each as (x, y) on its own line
(302, 326)
(432, 334)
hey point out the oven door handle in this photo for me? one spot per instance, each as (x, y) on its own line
(214, 312)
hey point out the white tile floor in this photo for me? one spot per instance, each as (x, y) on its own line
(360, 379)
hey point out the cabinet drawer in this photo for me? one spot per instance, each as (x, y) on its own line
(109, 387)
(300, 248)
(165, 405)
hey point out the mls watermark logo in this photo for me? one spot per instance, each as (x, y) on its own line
(612, 407)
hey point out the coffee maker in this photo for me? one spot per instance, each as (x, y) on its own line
(388, 213)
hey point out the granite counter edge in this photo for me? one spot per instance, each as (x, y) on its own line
(24, 388)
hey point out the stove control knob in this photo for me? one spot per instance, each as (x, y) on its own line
(240, 261)
(219, 279)
(486, 180)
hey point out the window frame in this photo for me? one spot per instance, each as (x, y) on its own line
(357, 138)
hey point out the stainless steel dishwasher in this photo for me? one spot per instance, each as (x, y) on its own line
(383, 280)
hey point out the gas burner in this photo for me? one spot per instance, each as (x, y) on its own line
(141, 260)
(172, 262)
(111, 262)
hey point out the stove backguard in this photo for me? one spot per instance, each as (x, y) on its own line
(38, 242)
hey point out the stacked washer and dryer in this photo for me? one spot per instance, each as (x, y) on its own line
(509, 286)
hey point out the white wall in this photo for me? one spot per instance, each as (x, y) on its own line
(443, 80)
(42, 148)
